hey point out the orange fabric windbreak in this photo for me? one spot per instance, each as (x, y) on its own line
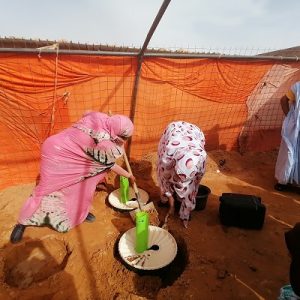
(41, 95)
(210, 93)
(217, 80)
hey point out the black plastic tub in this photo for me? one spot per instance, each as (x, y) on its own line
(201, 198)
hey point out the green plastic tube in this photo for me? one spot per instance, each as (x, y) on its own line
(142, 231)
(124, 189)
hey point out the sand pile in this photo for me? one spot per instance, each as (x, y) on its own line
(214, 262)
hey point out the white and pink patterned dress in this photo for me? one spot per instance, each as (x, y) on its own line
(181, 164)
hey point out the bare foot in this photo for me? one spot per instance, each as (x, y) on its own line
(185, 223)
(171, 211)
(165, 224)
(171, 203)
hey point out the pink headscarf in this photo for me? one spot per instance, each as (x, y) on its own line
(116, 125)
(119, 126)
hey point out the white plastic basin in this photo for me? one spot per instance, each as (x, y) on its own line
(149, 259)
(114, 199)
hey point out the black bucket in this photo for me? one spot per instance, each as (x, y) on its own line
(201, 198)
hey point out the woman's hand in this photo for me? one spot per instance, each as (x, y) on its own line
(284, 101)
(131, 179)
(120, 141)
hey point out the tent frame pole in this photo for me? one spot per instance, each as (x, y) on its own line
(140, 58)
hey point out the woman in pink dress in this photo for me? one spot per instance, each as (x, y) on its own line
(181, 165)
(73, 162)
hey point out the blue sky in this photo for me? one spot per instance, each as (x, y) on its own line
(257, 24)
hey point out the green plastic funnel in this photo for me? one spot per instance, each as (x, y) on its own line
(124, 189)
(142, 231)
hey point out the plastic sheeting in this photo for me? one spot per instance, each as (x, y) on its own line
(43, 94)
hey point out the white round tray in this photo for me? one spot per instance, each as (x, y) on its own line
(114, 199)
(149, 259)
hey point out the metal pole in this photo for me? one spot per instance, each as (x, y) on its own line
(258, 57)
(67, 52)
(140, 61)
(154, 25)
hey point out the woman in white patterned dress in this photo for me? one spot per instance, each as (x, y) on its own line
(181, 166)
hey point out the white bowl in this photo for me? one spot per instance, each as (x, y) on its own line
(149, 259)
(114, 199)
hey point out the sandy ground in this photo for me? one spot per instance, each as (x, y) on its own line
(213, 262)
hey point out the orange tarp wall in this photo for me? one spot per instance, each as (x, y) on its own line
(42, 94)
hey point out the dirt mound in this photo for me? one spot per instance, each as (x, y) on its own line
(34, 261)
(213, 261)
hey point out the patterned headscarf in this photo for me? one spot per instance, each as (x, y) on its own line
(188, 163)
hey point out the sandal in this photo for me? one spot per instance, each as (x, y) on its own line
(163, 204)
(90, 218)
(17, 233)
(101, 187)
(280, 187)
